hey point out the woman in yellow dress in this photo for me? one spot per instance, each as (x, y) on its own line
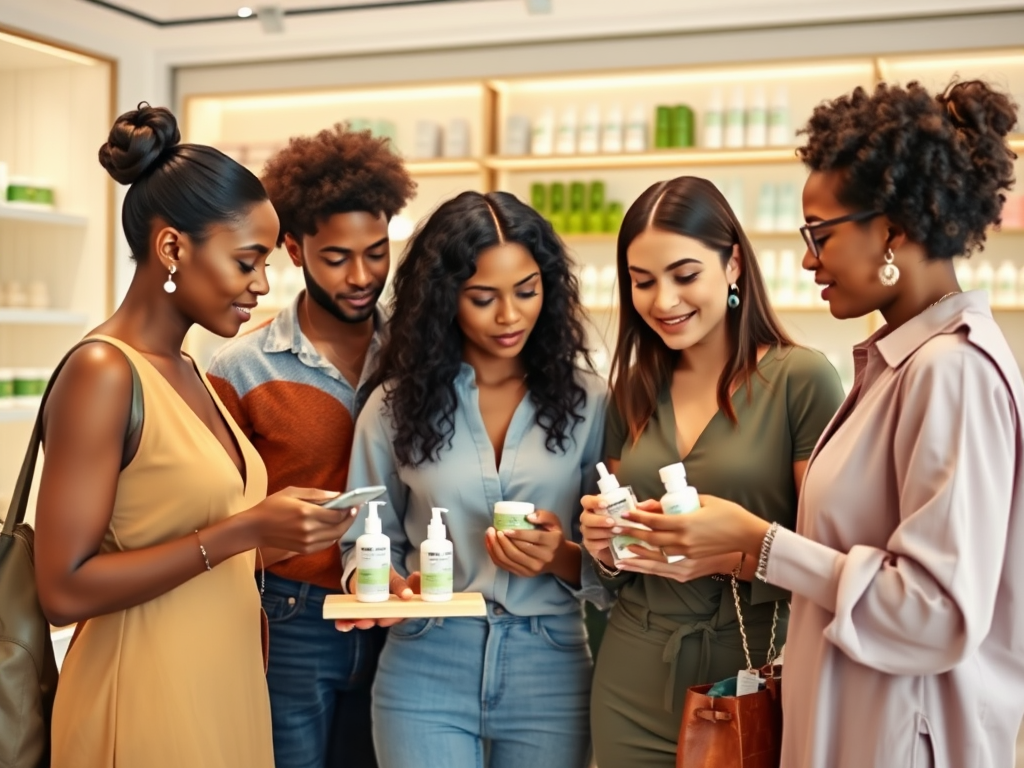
(152, 535)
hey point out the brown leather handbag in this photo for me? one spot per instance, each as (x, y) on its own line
(28, 671)
(734, 731)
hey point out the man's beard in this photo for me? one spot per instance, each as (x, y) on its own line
(327, 302)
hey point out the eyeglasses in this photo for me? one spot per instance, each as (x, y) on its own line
(808, 230)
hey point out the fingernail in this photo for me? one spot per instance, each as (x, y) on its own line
(345, 629)
(616, 530)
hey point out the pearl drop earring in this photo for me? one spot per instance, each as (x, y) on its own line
(170, 286)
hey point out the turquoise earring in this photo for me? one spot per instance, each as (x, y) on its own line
(734, 296)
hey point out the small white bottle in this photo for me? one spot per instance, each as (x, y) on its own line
(766, 208)
(619, 500)
(786, 278)
(590, 131)
(544, 133)
(636, 130)
(985, 278)
(757, 119)
(589, 281)
(437, 570)
(1006, 285)
(611, 132)
(566, 144)
(1020, 288)
(780, 134)
(714, 122)
(769, 262)
(373, 560)
(680, 498)
(965, 275)
(734, 120)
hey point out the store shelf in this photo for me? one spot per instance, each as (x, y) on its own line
(41, 317)
(585, 238)
(41, 216)
(631, 161)
(443, 167)
(18, 414)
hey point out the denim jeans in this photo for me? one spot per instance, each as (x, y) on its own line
(319, 679)
(514, 688)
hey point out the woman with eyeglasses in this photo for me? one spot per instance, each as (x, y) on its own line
(906, 641)
(704, 374)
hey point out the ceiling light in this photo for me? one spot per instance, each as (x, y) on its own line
(244, 12)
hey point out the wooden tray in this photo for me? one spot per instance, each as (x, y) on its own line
(461, 604)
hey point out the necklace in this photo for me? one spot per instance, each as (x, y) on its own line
(937, 301)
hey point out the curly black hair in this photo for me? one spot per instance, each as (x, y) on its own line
(421, 359)
(936, 166)
(336, 171)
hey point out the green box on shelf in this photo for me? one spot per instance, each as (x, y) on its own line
(539, 197)
(662, 127)
(613, 217)
(682, 131)
(577, 197)
(556, 198)
(596, 200)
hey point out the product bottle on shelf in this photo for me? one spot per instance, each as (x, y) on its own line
(787, 277)
(544, 133)
(985, 278)
(611, 130)
(714, 122)
(589, 279)
(757, 119)
(556, 209)
(636, 130)
(566, 144)
(606, 293)
(1006, 285)
(1020, 288)
(590, 131)
(735, 119)
(682, 126)
(576, 220)
(662, 127)
(787, 208)
(965, 274)
(780, 133)
(766, 206)
(768, 261)
(595, 207)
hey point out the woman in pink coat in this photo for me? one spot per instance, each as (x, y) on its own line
(906, 642)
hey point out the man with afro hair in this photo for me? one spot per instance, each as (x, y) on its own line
(295, 385)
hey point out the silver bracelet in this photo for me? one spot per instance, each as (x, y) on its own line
(203, 550)
(605, 571)
(766, 549)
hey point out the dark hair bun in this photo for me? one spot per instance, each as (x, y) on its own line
(973, 107)
(138, 141)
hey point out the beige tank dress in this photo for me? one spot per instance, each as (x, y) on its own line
(176, 682)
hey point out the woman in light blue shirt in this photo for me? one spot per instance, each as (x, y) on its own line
(487, 395)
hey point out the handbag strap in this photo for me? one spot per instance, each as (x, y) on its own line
(19, 501)
(743, 630)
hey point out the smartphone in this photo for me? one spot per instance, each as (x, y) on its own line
(354, 498)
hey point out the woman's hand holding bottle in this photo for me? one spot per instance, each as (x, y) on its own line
(598, 529)
(398, 585)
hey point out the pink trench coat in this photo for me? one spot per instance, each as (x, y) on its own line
(906, 642)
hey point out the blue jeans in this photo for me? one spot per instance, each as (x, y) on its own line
(515, 688)
(319, 679)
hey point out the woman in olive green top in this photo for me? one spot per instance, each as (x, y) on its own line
(703, 374)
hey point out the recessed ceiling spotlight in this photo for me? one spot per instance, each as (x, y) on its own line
(244, 12)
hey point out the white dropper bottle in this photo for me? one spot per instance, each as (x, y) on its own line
(619, 500)
(437, 570)
(373, 560)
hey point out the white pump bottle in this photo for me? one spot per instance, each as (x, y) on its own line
(679, 498)
(373, 560)
(437, 571)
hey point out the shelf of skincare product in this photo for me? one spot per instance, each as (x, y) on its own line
(22, 388)
(598, 287)
(747, 122)
(1004, 284)
(577, 207)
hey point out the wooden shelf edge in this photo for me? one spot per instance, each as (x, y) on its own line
(41, 216)
(9, 316)
(444, 167)
(656, 159)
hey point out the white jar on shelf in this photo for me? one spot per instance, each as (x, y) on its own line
(714, 122)
(735, 120)
(543, 142)
(566, 144)
(590, 131)
(611, 130)
(787, 278)
(985, 278)
(636, 130)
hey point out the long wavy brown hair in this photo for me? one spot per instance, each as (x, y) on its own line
(642, 366)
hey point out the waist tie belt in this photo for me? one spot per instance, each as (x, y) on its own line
(707, 628)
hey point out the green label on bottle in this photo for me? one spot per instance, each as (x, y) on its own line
(372, 577)
(439, 582)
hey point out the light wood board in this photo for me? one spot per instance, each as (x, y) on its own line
(461, 604)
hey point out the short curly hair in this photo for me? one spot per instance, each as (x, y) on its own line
(336, 171)
(936, 166)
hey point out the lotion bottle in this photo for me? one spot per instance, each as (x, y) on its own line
(373, 560)
(437, 570)
(679, 498)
